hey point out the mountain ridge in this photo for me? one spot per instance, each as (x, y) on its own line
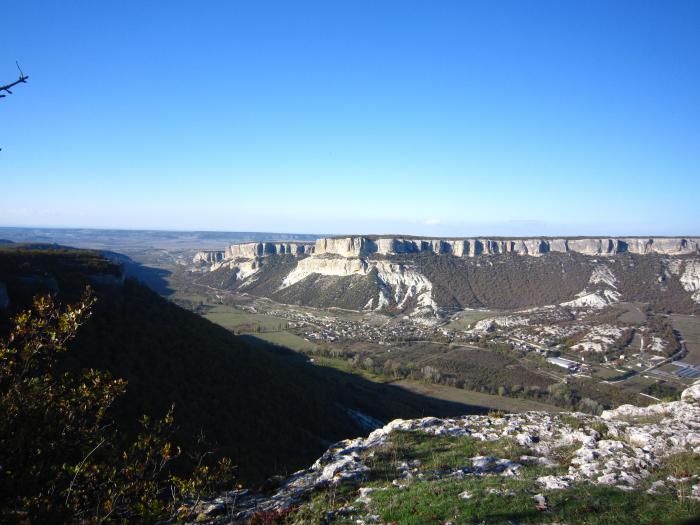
(429, 275)
(366, 245)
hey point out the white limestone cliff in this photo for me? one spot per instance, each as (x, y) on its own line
(366, 246)
(208, 257)
(397, 282)
(690, 279)
(362, 246)
(250, 250)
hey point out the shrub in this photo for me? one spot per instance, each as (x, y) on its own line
(62, 459)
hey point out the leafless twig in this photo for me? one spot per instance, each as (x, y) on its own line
(21, 80)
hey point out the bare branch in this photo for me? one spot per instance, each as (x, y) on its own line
(21, 80)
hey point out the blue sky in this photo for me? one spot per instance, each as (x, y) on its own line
(439, 118)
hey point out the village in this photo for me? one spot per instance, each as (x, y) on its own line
(574, 342)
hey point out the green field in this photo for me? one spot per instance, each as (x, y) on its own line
(635, 384)
(632, 313)
(465, 319)
(605, 373)
(287, 339)
(689, 327)
(442, 392)
(344, 366)
(458, 395)
(239, 320)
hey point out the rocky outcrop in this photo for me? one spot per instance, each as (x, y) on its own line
(362, 246)
(336, 266)
(690, 279)
(621, 448)
(396, 283)
(250, 250)
(208, 257)
(600, 292)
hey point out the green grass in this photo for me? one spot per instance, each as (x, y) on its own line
(437, 452)
(447, 393)
(689, 327)
(635, 384)
(287, 339)
(438, 502)
(495, 499)
(604, 372)
(343, 366)
(239, 320)
(632, 313)
(440, 392)
(576, 423)
(465, 319)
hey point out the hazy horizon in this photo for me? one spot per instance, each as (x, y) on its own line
(4, 228)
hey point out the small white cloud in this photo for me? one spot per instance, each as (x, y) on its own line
(431, 222)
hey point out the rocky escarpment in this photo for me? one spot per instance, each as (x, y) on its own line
(208, 257)
(251, 250)
(431, 276)
(261, 249)
(362, 246)
(627, 449)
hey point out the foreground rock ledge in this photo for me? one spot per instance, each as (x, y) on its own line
(635, 440)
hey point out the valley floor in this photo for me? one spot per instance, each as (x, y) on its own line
(504, 404)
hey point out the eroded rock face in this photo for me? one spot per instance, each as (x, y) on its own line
(208, 257)
(362, 246)
(620, 448)
(690, 279)
(338, 266)
(250, 250)
(359, 246)
(397, 283)
(402, 275)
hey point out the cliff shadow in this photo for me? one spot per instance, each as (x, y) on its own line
(382, 401)
(155, 278)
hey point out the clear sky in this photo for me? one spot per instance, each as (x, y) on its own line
(433, 117)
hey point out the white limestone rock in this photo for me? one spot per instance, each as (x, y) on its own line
(690, 280)
(692, 393)
(208, 257)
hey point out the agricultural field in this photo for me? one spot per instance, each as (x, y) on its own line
(466, 318)
(233, 318)
(441, 392)
(447, 393)
(631, 313)
(287, 339)
(689, 327)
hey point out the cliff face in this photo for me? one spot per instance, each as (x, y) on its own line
(365, 246)
(260, 249)
(427, 276)
(208, 257)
